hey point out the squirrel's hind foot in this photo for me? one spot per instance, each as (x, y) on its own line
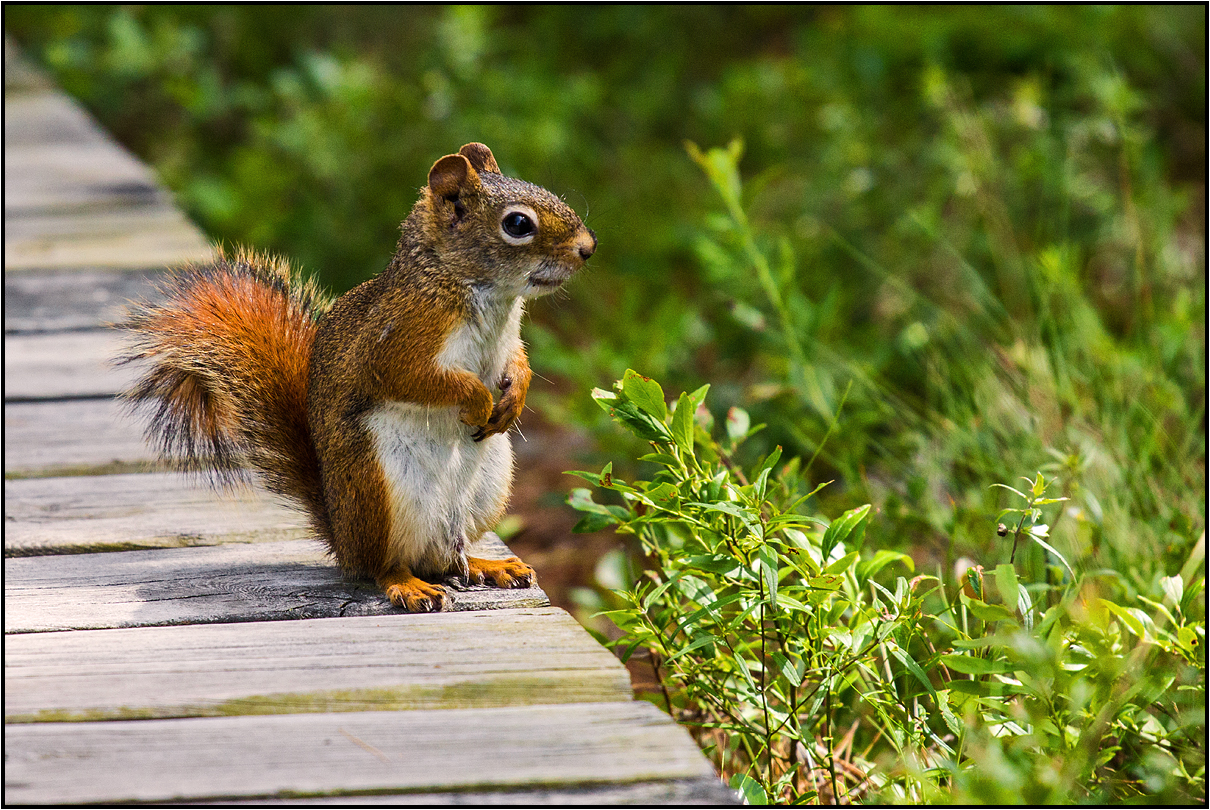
(411, 593)
(507, 573)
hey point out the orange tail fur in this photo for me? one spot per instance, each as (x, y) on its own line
(230, 353)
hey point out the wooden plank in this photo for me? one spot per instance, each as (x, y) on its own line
(55, 365)
(220, 758)
(49, 178)
(71, 438)
(46, 117)
(230, 583)
(125, 512)
(136, 238)
(703, 791)
(401, 662)
(60, 300)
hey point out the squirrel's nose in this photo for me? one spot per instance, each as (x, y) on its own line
(588, 244)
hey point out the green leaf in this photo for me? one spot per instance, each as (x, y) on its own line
(841, 565)
(951, 720)
(1055, 552)
(826, 582)
(849, 525)
(750, 789)
(1006, 583)
(1026, 606)
(606, 399)
(881, 559)
(1039, 485)
(646, 393)
(1135, 620)
(913, 668)
(664, 495)
(1010, 489)
(970, 665)
(682, 425)
(581, 499)
(767, 559)
(714, 563)
(791, 672)
(748, 517)
(699, 396)
(638, 422)
(696, 644)
(988, 613)
(593, 523)
(743, 669)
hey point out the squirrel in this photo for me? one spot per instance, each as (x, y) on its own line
(377, 414)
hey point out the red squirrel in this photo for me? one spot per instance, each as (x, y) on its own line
(384, 415)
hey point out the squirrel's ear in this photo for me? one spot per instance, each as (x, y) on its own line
(451, 176)
(480, 157)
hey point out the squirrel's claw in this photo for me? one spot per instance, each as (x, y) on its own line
(412, 593)
(507, 573)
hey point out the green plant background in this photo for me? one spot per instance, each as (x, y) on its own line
(931, 249)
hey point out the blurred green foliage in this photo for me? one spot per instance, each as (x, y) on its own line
(945, 245)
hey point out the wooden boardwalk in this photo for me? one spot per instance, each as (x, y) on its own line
(164, 643)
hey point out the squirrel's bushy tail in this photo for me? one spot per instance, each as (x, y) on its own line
(229, 353)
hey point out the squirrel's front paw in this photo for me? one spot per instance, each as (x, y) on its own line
(412, 593)
(504, 415)
(509, 573)
(477, 410)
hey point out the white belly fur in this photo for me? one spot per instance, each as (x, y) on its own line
(445, 488)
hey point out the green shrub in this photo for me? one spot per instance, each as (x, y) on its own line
(773, 639)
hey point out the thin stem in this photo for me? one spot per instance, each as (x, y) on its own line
(1017, 532)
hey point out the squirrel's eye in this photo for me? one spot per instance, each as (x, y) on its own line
(517, 225)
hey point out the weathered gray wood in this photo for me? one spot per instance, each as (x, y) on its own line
(229, 583)
(315, 754)
(54, 365)
(62, 300)
(73, 438)
(49, 178)
(706, 790)
(125, 512)
(140, 237)
(43, 116)
(423, 661)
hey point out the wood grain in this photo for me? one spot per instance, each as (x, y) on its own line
(423, 661)
(136, 238)
(222, 758)
(73, 438)
(64, 177)
(44, 117)
(229, 583)
(125, 512)
(64, 300)
(65, 364)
